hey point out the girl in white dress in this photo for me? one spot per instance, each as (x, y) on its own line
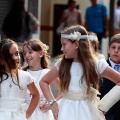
(79, 71)
(14, 84)
(36, 57)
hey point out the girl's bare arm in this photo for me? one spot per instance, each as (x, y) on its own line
(35, 98)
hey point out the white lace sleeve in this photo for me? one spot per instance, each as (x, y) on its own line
(57, 64)
(110, 99)
(101, 65)
(30, 79)
(25, 78)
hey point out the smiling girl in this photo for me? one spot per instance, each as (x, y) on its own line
(14, 84)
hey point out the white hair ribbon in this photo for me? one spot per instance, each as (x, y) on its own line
(46, 47)
(74, 36)
(92, 38)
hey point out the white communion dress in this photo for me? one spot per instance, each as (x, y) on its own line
(38, 114)
(76, 104)
(12, 106)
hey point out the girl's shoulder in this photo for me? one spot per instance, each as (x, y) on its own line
(23, 73)
(101, 65)
(25, 76)
(100, 61)
(45, 70)
(101, 56)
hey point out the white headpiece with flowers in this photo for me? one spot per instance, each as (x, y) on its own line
(46, 47)
(92, 38)
(74, 36)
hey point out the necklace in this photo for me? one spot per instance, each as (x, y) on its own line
(37, 76)
(10, 84)
(9, 76)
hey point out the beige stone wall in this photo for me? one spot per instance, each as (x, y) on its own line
(45, 20)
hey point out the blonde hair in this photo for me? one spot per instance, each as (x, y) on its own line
(86, 57)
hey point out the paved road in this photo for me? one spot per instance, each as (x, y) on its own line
(54, 89)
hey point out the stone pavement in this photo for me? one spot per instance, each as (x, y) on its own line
(54, 88)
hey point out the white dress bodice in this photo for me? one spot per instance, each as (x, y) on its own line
(37, 75)
(12, 97)
(76, 104)
(76, 71)
(38, 114)
(14, 91)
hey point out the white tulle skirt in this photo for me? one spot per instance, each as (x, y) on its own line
(39, 115)
(79, 106)
(12, 109)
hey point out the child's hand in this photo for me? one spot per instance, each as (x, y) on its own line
(103, 112)
(27, 115)
(45, 107)
(55, 110)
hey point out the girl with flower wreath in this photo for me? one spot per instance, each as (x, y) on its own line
(79, 70)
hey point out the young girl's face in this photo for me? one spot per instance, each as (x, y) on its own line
(32, 57)
(14, 52)
(69, 49)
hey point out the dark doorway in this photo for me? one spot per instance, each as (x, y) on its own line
(58, 10)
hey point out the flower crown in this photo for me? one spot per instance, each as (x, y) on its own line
(74, 36)
(46, 47)
(92, 38)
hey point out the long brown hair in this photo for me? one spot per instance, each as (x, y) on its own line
(5, 55)
(85, 56)
(37, 45)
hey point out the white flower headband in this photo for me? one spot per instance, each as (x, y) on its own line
(92, 38)
(46, 47)
(74, 36)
